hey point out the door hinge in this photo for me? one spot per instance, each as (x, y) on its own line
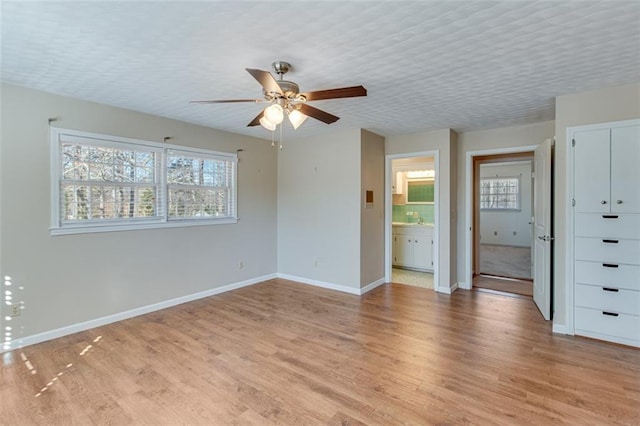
(573, 142)
(573, 202)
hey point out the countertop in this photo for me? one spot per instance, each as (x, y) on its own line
(411, 224)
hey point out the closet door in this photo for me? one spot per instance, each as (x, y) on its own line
(592, 171)
(625, 172)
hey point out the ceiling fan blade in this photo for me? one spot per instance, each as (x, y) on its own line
(226, 101)
(316, 113)
(344, 92)
(256, 120)
(266, 80)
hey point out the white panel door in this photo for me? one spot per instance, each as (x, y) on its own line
(625, 169)
(592, 170)
(542, 228)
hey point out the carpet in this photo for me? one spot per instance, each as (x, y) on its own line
(505, 261)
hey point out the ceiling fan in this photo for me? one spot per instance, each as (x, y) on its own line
(285, 98)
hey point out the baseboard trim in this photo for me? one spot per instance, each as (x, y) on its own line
(87, 325)
(559, 329)
(448, 290)
(322, 284)
(369, 287)
(464, 286)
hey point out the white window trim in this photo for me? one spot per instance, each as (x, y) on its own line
(57, 228)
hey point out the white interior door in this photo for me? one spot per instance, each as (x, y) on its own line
(542, 228)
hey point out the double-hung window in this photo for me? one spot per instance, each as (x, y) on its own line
(107, 183)
(199, 185)
(500, 193)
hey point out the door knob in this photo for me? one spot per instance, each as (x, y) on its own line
(603, 202)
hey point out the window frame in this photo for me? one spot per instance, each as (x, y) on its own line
(518, 194)
(59, 136)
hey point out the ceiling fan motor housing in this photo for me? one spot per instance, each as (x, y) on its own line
(289, 88)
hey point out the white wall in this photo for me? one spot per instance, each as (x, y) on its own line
(443, 141)
(71, 279)
(597, 106)
(319, 209)
(510, 228)
(481, 140)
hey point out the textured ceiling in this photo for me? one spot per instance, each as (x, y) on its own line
(426, 65)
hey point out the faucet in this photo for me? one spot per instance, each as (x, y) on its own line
(420, 220)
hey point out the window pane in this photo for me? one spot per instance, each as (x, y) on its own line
(144, 174)
(198, 203)
(75, 201)
(145, 202)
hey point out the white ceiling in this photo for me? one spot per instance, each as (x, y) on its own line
(426, 65)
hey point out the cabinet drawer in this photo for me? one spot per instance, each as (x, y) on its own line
(593, 320)
(613, 275)
(615, 251)
(607, 225)
(608, 299)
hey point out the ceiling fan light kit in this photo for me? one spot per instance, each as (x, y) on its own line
(285, 96)
(267, 124)
(296, 118)
(274, 114)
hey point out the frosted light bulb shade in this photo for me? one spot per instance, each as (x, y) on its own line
(296, 118)
(267, 124)
(274, 113)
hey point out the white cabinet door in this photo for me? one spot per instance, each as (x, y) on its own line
(625, 172)
(397, 182)
(592, 171)
(422, 251)
(405, 250)
(413, 247)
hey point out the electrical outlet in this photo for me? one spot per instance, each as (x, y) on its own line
(241, 264)
(15, 310)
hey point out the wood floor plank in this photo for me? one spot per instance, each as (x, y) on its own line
(283, 353)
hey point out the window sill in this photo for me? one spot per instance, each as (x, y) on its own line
(83, 229)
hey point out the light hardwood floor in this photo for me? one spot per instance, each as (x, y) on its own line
(286, 353)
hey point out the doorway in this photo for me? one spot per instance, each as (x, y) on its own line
(411, 219)
(503, 199)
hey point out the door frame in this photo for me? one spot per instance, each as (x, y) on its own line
(388, 212)
(469, 228)
(479, 160)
